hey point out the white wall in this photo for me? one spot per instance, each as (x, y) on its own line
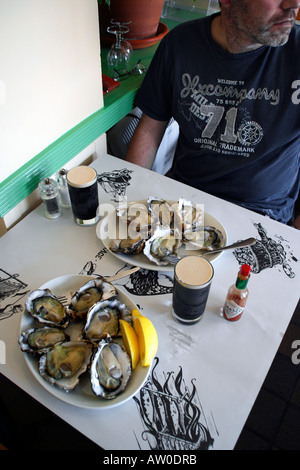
(50, 74)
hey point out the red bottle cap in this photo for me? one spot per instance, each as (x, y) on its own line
(245, 270)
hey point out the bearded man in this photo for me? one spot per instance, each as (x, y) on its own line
(232, 82)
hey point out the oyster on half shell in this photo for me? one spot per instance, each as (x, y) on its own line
(128, 246)
(135, 213)
(162, 246)
(161, 211)
(103, 318)
(41, 340)
(110, 369)
(188, 216)
(91, 292)
(131, 234)
(62, 365)
(42, 305)
(181, 215)
(206, 238)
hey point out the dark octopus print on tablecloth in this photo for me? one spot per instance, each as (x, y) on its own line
(13, 289)
(115, 182)
(171, 414)
(145, 282)
(267, 252)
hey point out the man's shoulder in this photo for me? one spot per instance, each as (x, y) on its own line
(292, 48)
(297, 27)
(295, 34)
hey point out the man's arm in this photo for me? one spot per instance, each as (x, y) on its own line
(145, 141)
(296, 222)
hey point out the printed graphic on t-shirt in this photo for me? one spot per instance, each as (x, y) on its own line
(220, 113)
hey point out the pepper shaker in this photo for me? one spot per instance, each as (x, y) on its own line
(63, 189)
(50, 194)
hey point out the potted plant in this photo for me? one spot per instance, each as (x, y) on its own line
(144, 16)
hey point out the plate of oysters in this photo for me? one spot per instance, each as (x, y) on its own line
(72, 343)
(154, 233)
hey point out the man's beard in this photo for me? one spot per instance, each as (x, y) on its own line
(267, 38)
(260, 33)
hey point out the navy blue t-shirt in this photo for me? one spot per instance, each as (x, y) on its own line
(239, 116)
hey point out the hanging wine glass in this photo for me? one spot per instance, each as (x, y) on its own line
(121, 24)
(118, 57)
(213, 7)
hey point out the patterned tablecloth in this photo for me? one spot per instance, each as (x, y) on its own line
(204, 378)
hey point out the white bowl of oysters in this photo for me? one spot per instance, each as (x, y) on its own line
(74, 348)
(153, 233)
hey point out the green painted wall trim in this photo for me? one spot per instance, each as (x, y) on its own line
(26, 179)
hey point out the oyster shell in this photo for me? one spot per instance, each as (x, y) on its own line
(110, 369)
(103, 318)
(132, 229)
(189, 215)
(42, 305)
(62, 365)
(162, 246)
(91, 292)
(161, 211)
(128, 246)
(136, 212)
(206, 238)
(181, 215)
(41, 340)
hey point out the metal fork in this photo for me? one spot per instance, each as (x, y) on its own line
(202, 252)
(65, 300)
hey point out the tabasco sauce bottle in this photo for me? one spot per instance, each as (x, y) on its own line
(237, 295)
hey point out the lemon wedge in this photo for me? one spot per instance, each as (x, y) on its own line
(135, 313)
(147, 337)
(130, 341)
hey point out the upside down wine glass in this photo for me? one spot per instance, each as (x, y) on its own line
(121, 23)
(213, 7)
(118, 57)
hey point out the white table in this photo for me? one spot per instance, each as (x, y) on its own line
(217, 365)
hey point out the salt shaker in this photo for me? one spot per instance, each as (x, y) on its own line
(63, 189)
(50, 194)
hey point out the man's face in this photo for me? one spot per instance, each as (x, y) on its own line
(264, 22)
